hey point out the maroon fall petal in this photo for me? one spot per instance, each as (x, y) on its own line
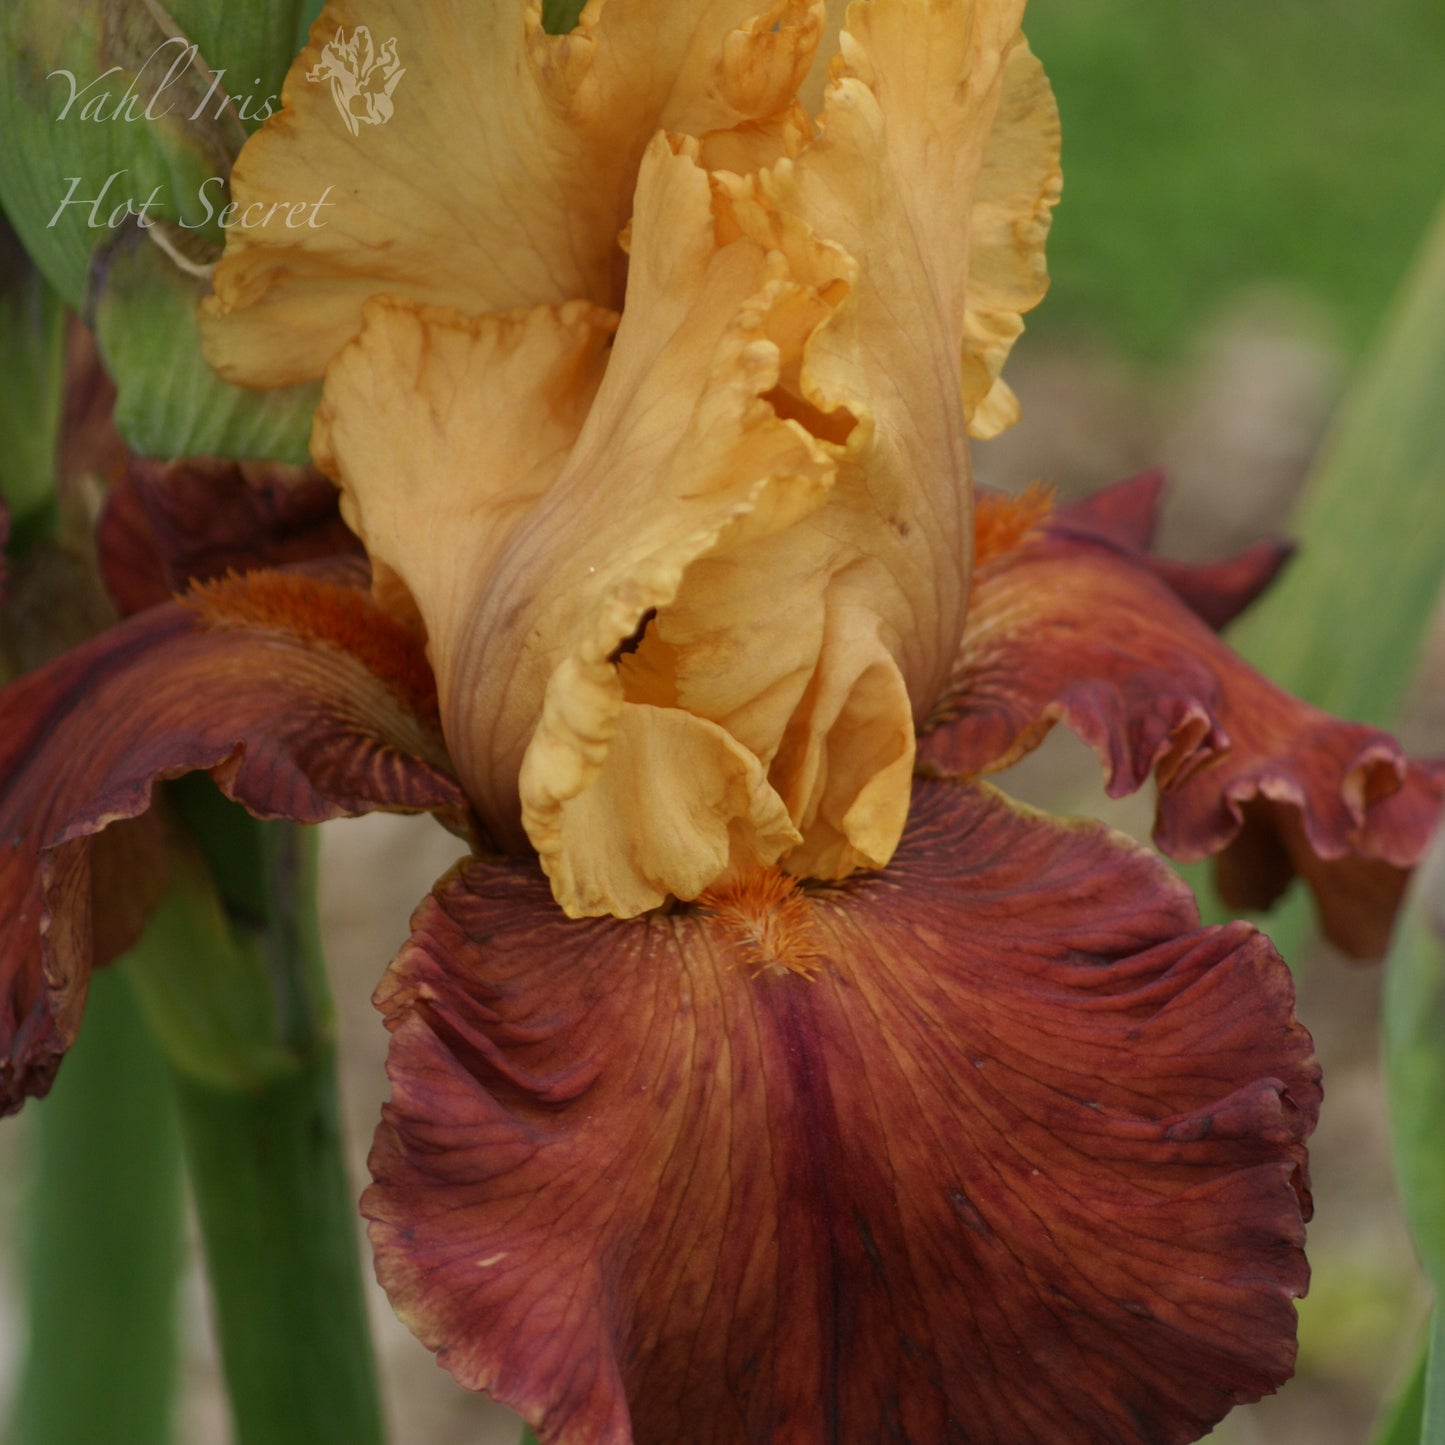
(1069, 627)
(1217, 592)
(298, 697)
(1126, 514)
(1357, 895)
(166, 524)
(129, 875)
(1021, 1161)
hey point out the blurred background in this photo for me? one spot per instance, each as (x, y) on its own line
(1246, 182)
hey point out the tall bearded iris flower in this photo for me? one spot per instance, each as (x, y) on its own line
(763, 1074)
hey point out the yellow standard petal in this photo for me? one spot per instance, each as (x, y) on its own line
(937, 136)
(528, 606)
(439, 464)
(1018, 188)
(501, 174)
(688, 589)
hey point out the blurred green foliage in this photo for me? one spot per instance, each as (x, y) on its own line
(1414, 1059)
(1209, 144)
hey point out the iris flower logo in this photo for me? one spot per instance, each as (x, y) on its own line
(362, 79)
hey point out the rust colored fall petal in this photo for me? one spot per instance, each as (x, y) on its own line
(166, 524)
(1357, 895)
(1071, 626)
(306, 727)
(1125, 512)
(1022, 1161)
(129, 875)
(1127, 515)
(1217, 592)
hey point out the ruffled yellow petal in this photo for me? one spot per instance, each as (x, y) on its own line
(767, 638)
(676, 805)
(846, 769)
(1008, 222)
(1018, 188)
(854, 613)
(439, 463)
(682, 461)
(878, 201)
(531, 568)
(500, 178)
(688, 593)
(865, 594)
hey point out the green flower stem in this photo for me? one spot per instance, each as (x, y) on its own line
(103, 1240)
(103, 1225)
(278, 1217)
(240, 1006)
